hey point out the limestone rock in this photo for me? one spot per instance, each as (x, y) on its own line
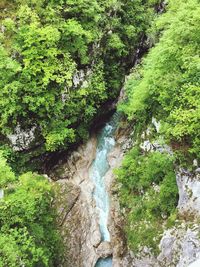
(104, 250)
(156, 124)
(189, 193)
(66, 199)
(195, 263)
(180, 246)
(76, 207)
(77, 215)
(21, 139)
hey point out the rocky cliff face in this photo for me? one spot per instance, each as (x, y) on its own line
(78, 219)
(78, 222)
(179, 245)
(77, 216)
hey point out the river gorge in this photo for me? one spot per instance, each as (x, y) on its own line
(98, 170)
(89, 215)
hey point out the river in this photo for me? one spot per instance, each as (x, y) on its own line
(100, 166)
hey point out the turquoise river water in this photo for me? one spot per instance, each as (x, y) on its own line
(98, 170)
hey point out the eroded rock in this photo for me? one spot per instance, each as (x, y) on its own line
(21, 139)
(104, 250)
(180, 246)
(189, 193)
(77, 213)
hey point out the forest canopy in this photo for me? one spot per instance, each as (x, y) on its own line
(164, 88)
(28, 231)
(167, 84)
(60, 61)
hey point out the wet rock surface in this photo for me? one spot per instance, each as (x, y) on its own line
(179, 246)
(79, 224)
(104, 250)
(77, 216)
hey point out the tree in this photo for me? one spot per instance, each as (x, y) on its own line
(28, 232)
(45, 44)
(167, 84)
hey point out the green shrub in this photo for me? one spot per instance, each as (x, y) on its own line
(167, 84)
(28, 231)
(149, 193)
(46, 44)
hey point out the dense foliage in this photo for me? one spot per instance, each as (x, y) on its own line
(149, 193)
(28, 235)
(60, 62)
(45, 44)
(167, 85)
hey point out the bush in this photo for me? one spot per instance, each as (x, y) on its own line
(149, 193)
(167, 84)
(28, 232)
(45, 43)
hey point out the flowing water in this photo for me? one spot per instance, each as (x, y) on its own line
(98, 170)
(104, 262)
